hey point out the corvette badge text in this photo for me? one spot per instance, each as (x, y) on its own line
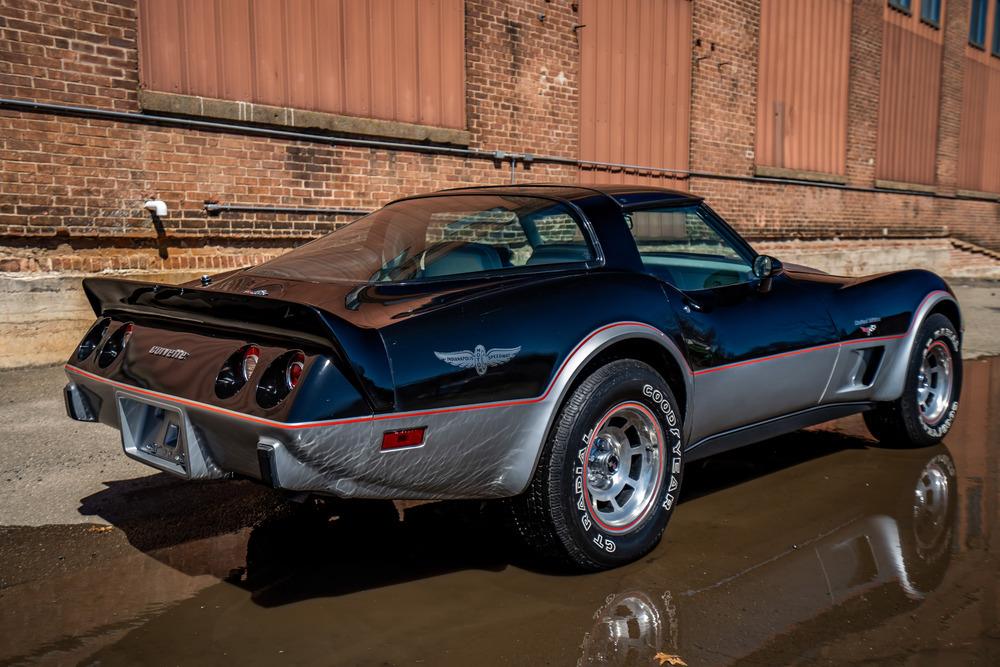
(169, 353)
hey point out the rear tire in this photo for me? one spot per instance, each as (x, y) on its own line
(923, 415)
(609, 474)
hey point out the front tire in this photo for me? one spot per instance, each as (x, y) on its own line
(609, 474)
(923, 415)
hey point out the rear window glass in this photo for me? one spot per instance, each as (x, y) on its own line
(438, 237)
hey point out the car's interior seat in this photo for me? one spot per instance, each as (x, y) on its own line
(459, 257)
(559, 253)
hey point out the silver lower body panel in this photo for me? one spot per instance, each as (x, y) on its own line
(486, 452)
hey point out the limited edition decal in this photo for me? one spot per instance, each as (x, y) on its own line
(479, 357)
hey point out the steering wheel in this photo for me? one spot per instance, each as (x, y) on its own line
(720, 279)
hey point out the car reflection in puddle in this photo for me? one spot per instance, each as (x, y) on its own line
(814, 547)
(901, 551)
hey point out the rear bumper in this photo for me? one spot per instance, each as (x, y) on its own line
(487, 453)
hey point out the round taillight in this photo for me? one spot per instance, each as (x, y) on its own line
(237, 369)
(294, 370)
(251, 355)
(93, 338)
(115, 345)
(280, 378)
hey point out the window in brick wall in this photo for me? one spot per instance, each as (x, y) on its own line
(930, 12)
(909, 100)
(901, 5)
(802, 87)
(995, 48)
(635, 89)
(396, 61)
(977, 24)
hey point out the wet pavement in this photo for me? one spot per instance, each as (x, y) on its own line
(813, 548)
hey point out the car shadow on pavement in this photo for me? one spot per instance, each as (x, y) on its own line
(159, 511)
(297, 551)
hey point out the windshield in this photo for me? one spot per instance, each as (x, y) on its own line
(436, 237)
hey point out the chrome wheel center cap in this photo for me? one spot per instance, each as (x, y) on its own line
(603, 463)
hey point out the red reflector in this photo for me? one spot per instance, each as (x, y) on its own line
(251, 356)
(294, 370)
(407, 437)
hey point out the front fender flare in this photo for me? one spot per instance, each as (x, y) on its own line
(893, 376)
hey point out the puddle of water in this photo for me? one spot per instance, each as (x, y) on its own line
(810, 548)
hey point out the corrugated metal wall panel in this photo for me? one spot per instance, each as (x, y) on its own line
(200, 27)
(269, 50)
(330, 75)
(979, 143)
(389, 59)
(906, 146)
(157, 55)
(802, 84)
(407, 99)
(300, 41)
(635, 87)
(979, 138)
(233, 49)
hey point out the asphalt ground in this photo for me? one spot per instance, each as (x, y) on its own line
(805, 549)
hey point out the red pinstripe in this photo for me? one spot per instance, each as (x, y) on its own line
(355, 420)
(482, 406)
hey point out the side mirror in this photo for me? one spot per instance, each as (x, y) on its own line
(765, 266)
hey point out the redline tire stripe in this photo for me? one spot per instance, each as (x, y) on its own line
(659, 475)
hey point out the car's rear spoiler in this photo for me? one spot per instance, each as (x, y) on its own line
(250, 315)
(201, 307)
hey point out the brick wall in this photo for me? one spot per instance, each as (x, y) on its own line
(724, 87)
(71, 188)
(723, 126)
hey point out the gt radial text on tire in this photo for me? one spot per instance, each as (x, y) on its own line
(610, 472)
(923, 415)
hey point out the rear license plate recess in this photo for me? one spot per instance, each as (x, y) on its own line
(154, 433)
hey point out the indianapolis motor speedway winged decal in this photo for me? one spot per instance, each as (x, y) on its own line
(479, 358)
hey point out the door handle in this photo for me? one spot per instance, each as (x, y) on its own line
(690, 304)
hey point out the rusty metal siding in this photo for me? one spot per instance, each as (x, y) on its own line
(979, 137)
(802, 84)
(388, 59)
(635, 88)
(906, 146)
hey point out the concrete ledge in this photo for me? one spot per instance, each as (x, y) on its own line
(43, 316)
(859, 257)
(978, 194)
(192, 105)
(798, 174)
(905, 187)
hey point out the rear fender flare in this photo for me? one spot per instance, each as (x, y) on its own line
(587, 350)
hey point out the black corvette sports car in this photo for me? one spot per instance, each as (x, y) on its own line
(566, 348)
